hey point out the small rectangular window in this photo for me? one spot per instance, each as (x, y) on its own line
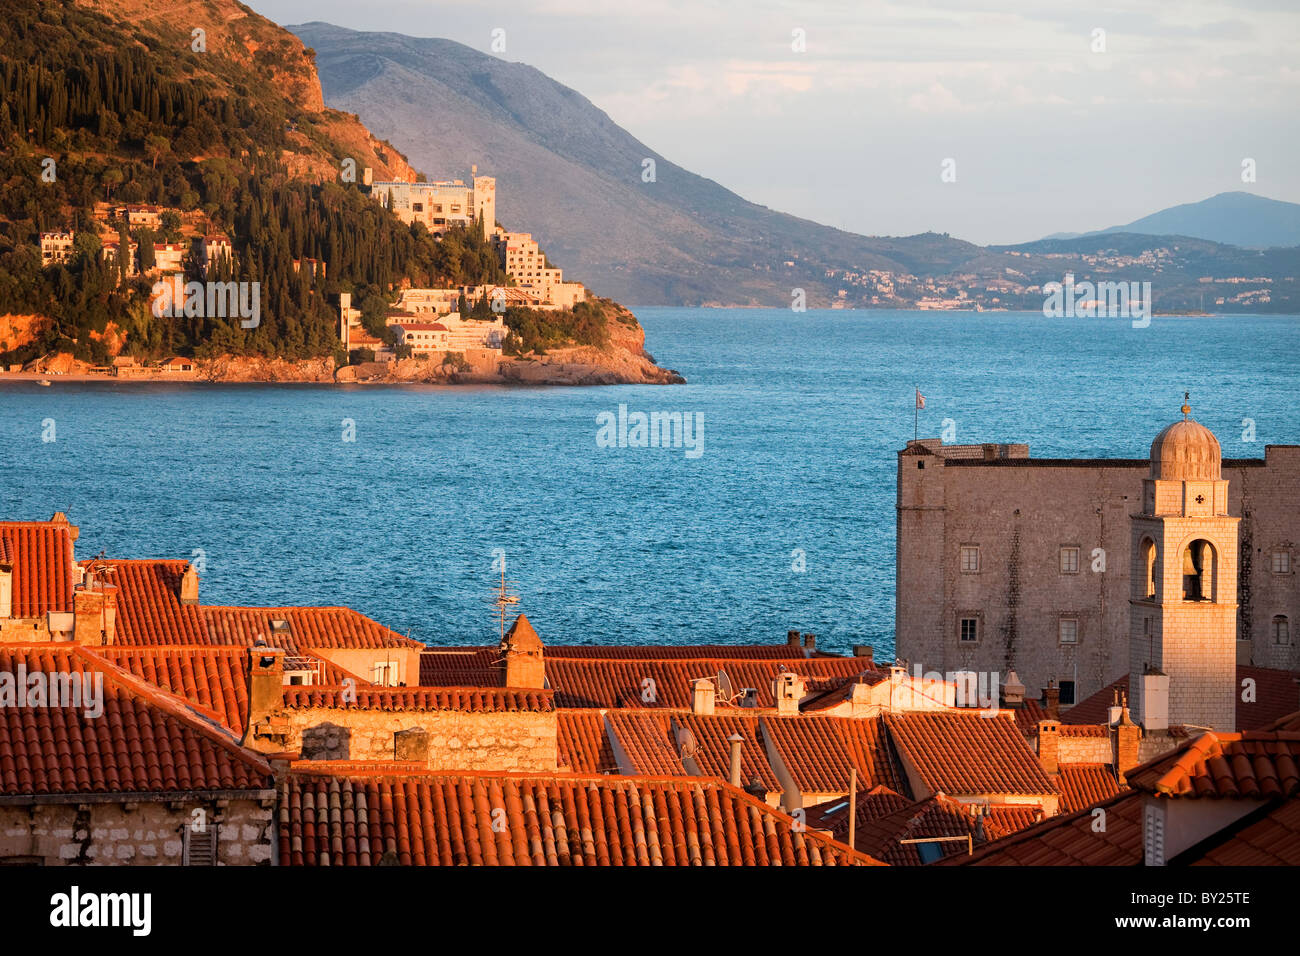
(1068, 630)
(1069, 560)
(1281, 630)
(969, 629)
(1281, 562)
(970, 559)
(1067, 693)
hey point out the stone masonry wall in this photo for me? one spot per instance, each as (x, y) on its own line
(458, 740)
(149, 835)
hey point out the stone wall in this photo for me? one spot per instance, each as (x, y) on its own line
(1021, 513)
(456, 740)
(141, 834)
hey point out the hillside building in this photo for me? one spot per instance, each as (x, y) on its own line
(440, 205)
(56, 248)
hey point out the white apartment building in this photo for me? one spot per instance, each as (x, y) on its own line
(441, 204)
(56, 247)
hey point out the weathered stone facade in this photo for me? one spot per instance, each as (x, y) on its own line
(146, 833)
(1020, 513)
(452, 740)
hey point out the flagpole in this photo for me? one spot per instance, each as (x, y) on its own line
(916, 414)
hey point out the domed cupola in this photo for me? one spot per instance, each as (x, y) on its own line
(1186, 451)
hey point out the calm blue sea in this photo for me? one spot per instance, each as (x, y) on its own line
(802, 417)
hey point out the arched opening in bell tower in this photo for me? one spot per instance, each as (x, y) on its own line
(1199, 571)
(1148, 564)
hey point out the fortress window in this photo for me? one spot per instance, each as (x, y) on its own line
(970, 630)
(1067, 693)
(1281, 630)
(1281, 562)
(1069, 560)
(970, 559)
(1068, 630)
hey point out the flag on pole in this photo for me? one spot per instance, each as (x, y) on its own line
(920, 399)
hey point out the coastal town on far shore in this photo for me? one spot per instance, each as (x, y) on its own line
(460, 325)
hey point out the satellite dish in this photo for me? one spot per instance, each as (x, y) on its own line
(724, 685)
(686, 744)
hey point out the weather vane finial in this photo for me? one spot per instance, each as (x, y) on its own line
(1187, 407)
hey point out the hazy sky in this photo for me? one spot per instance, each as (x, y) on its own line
(1047, 135)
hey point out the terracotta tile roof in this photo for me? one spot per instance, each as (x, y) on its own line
(647, 743)
(968, 754)
(475, 699)
(1004, 819)
(149, 610)
(840, 692)
(150, 614)
(212, 678)
(144, 741)
(1085, 785)
(1276, 695)
(592, 682)
(1268, 837)
(1085, 730)
(40, 553)
(886, 818)
(1071, 840)
(1256, 764)
(549, 820)
(814, 752)
(712, 752)
(1028, 715)
(583, 743)
(309, 627)
(462, 667)
(872, 751)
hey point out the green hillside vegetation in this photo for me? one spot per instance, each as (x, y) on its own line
(130, 117)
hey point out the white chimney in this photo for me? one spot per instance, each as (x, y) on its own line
(736, 741)
(703, 696)
(1155, 701)
(788, 690)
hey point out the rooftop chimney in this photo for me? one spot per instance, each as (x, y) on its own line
(810, 641)
(522, 649)
(1155, 700)
(265, 729)
(1052, 700)
(189, 592)
(788, 689)
(792, 638)
(865, 651)
(703, 696)
(736, 741)
(1128, 740)
(1049, 745)
(1115, 710)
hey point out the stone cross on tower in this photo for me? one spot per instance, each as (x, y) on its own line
(1183, 570)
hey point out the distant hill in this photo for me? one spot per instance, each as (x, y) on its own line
(567, 173)
(1235, 218)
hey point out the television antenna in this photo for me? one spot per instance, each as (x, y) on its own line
(506, 598)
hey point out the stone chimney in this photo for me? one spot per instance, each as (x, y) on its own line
(94, 619)
(189, 591)
(1155, 700)
(266, 728)
(1128, 740)
(522, 650)
(737, 742)
(810, 642)
(865, 651)
(1052, 700)
(788, 689)
(792, 638)
(1049, 745)
(703, 696)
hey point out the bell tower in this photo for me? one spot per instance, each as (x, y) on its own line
(1183, 602)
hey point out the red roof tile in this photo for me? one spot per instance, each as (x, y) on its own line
(592, 682)
(873, 752)
(149, 611)
(1085, 785)
(1003, 819)
(968, 754)
(1256, 764)
(1268, 837)
(1071, 839)
(310, 627)
(40, 553)
(583, 743)
(462, 667)
(144, 741)
(542, 820)
(475, 699)
(660, 652)
(646, 742)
